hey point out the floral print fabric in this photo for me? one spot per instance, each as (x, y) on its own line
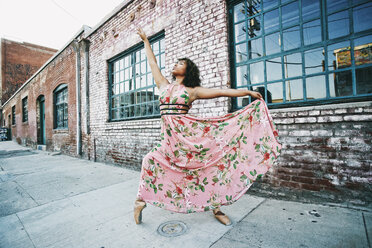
(202, 163)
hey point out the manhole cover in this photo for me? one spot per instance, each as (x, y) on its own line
(172, 228)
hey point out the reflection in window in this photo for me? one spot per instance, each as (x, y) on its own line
(272, 43)
(339, 55)
(290, 15)
(314, 61)
(294, 90)
(291, 38)
(292, 65)
(133, 90)
(315, 87)
(256, 72)
(239, 12)
(312, 32)
(271, 20)
(276, 90)
(310, 9)
(362, 17)
(295, 49)
(241, 75)
(254, 27)
(241, 52)
(363, 50)
(364, 80)
(333, 5)
(340, 84)
(338, 24)
(255, 48)
(267, 4)
(274, 69)
(240, 32)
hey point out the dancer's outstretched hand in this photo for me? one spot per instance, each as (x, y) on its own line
(141, 33)
(256, 94)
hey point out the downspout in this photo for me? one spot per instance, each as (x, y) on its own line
(78, 100)
(87, 105)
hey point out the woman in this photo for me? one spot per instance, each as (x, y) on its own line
(203, 163)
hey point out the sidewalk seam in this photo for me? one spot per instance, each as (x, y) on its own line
(365, 229)
(24, 228)
(259, 204)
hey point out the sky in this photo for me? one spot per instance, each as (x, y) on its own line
(50, 23)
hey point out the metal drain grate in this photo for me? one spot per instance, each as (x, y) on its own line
(172, 228)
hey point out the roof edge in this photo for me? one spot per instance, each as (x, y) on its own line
(84, 28)
(110, 15)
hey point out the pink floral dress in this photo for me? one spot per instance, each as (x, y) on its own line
(203, 163)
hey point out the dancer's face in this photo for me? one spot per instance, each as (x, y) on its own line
(179, 69)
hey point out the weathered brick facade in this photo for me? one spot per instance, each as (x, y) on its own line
(326, 148)
(60, 70)
(326, 153)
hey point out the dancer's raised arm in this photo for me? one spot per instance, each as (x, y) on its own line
(159, 79)
(207, 93)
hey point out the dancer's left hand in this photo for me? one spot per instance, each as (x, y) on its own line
(256, 95)
(141, 33)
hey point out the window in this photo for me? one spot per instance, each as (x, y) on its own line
(24, 110)
(61, 107)
(301, 52)
(13, 116)
(133, 92)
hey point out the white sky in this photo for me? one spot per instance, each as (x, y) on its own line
(50, 23)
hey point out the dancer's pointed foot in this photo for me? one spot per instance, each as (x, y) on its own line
(221, 217)
(139, 205)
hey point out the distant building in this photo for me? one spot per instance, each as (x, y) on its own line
(19, 61)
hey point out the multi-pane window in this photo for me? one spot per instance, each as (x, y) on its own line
(13, 115)
(133, 92)
(299, 52)
(24, 110)
(61, 107)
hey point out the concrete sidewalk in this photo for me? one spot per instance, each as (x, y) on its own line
(61, 201)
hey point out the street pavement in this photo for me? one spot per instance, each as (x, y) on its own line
(49, 200)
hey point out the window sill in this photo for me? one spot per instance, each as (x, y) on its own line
(25, 123)
(57, 131)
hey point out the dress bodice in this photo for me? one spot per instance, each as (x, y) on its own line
(174, 101)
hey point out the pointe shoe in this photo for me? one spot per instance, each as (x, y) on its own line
(139, 205)
(221, 217)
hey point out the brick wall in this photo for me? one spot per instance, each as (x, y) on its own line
(19, 61)
(61, 70)
(325, 148)
(196, 29)
(326, 154)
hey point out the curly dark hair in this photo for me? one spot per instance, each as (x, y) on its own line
(192, 78)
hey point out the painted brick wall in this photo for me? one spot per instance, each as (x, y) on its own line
(326, 154)
(325, 148)
(19, 61)
(196, 29)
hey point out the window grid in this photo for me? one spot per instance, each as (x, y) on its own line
(135, 95)
(13, 115)
(61, 107)
(24, 109)
(307, 43)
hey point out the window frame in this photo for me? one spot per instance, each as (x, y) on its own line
(25, 109)
(131, 52)
(323, 44)
(13, 115)
(59, 90)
